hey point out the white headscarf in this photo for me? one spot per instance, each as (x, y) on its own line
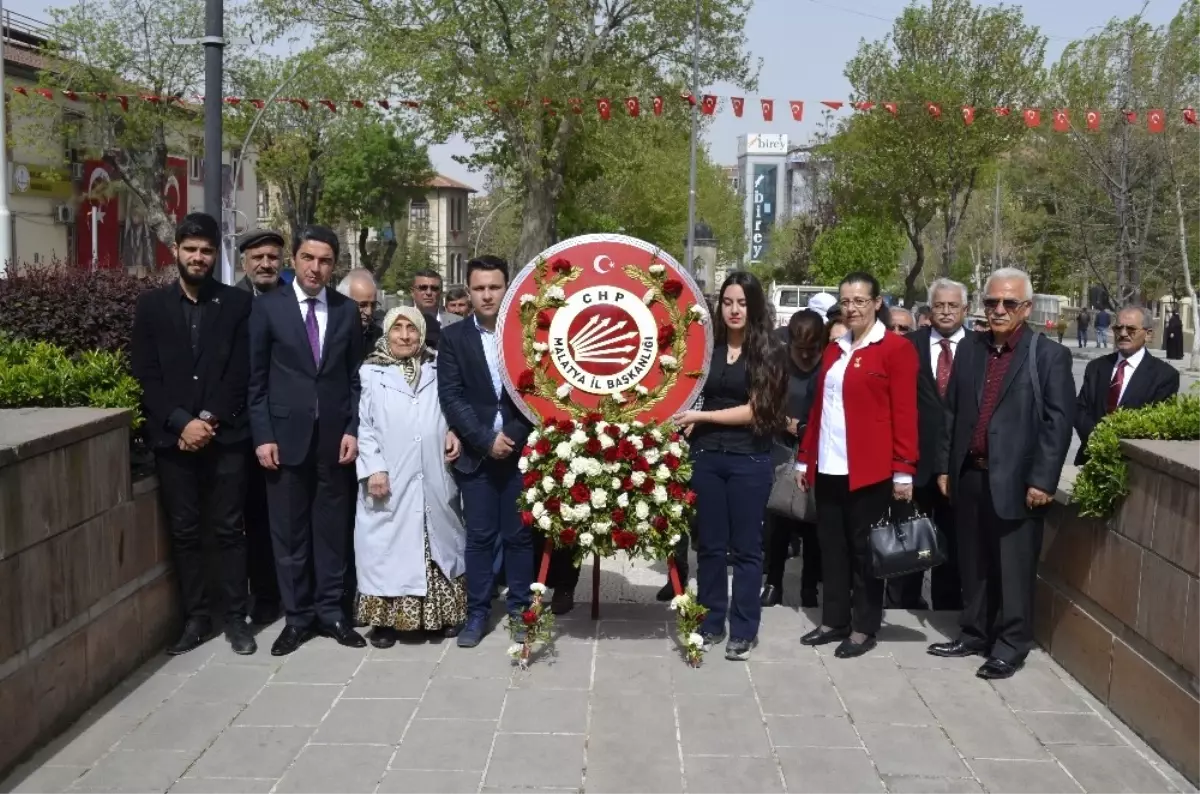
(409, 365)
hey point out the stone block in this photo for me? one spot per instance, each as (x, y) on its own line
(1191, 629)
(151, 526)
(912, 750)
(96, 733)
(652, 712)
(1162, 617)
(453, 745)
(1045, 600)
(251, 752)
(802, 690)
(1111, 769)
(1033, 777)
(223, 785)
(1175, 535)
(1067, 553)
(223, 683)
(876, 690)
(186, 727)
(61, 685)
(808, 769)
(1166, 715)
(1116, 574)
(134, 771)
(798, 731)
(549, 762)
(36, 575)
(412, 781)
(158, 605)
(711, 679)
(388, 679)
(1084, 647)
(289, 704)
(1038, 688)
(721, 725)
(465, 698)
(366, 722)
(17, 703)
(114, 644)
(12, 625)
(351, 769)
(33, 779)
(1135, 517)
(312, 665)
(545, 711)
(1089, 729)
(903, 784)
(716, 775)
(633, 673)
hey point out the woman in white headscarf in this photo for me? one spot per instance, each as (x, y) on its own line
(409, 539)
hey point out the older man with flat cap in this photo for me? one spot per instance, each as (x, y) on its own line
(262, 259)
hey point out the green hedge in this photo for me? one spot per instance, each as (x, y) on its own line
(1104, 479)
(40, 374)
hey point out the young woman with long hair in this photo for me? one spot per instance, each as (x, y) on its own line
(744, 407)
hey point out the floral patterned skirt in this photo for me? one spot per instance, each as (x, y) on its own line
(443, 606)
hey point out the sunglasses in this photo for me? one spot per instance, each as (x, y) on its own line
(428, 288)
(902, 329)
(1128, 329)
(1010, 304)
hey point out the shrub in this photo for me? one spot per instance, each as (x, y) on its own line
(40, 374)
(78, 310)
(1104, 479)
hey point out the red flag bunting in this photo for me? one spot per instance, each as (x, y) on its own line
(1062, 123)
(45, 93)
(604, 107)
(302, 103)
(768, 109)
(658, 105)
(831, 103)
(1093, 121)
(494, 105)
(357, 103)
(1189, 117)
(632, 106)
(891, 107)
(383, 103)
(738, 104)
(1130, 116)
(329, 104)
(797, 110)
(124, 100)
(1156, 121)
(71, 95)
(863, 106)
(689, 98)
(1003, 111)
(411, 103)
(233, 100)
(548, 106)
(708, 104)
(20, 89)
(934, 109)
(968, 115)
(153, 100)
(259, 104)
(1033, 117)
(576, 105)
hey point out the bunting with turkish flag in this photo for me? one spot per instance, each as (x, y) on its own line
(1062, 123)
(658, 105)
(1093, 121)
(1130, 116)
(738, 103)
(632, 106)
(1189, 117)
(1155, 121)
(832, 104)
(576, 105)
(1033, 117)
(863, 106)
(891, 107)
(99, 210)
(968, 115)
(175, 196)
(1003, 112)
(604, 107)
(797, 110)
(768, 109)
(708, 104)
(935, 110)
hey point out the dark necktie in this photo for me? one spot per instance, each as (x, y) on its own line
(1114, 388)
(945, 361)
(314, 334)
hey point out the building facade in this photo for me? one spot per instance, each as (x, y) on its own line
(760, 171)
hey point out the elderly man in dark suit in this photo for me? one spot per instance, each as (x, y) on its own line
(1129, 378)
(493, 432)
(189, 352)
(304, 390)
(262, 259)
(1009, 413)
(937, 345)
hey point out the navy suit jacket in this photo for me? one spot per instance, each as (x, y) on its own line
(1154, 381)
(469, 399)
(290, 395)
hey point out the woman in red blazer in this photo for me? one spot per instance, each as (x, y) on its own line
(859, 452)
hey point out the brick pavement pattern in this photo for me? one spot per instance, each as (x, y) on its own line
(611, 709)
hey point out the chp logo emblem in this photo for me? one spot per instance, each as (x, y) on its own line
(604, 324)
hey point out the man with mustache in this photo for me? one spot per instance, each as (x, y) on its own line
(262, 259)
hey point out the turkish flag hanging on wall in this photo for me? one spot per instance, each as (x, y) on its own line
(175, 195)
(99, 203)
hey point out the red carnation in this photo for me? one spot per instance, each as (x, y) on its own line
(618, 517)
(594, 416)
(560, 470)
(628, 450)
(672, 288)
(659, 523)
(690, 497)
(641, 464)
(566, 427)
(675, 491)
(626, 484)
(529, 616)
(593, 446)
(580, 493)
(526, 450)
(611, 455)
(527, 518)
(553, 504)
(531, 479)
(560, 266)
(525, 381)
(647, 485)
(624, 540)
(567, 536)
(613, 431)
(542, 447)
(666, 335)
(675, 437)
(671, 461)
(549, 424)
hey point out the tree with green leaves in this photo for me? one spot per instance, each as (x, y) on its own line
(924, 162)
(856, 243)
(502, 72)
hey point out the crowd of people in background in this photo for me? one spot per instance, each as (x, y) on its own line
(362, 472)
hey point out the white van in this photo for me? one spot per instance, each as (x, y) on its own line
(787, 299)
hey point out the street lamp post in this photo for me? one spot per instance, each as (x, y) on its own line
(486, 221)
(214, 90)
(6, 242)
(691, 229)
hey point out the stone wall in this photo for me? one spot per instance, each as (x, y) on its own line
(86, 592)
(1119, 603)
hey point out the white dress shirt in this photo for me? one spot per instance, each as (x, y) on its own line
(935, 347)
(1131, 364)
(492, 353)
(322, 309)
(832, 456)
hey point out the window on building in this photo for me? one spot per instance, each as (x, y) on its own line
(455, 274)
(264, 203)
(455, 225)
(195, 159)
(418, 215)
(235, 154)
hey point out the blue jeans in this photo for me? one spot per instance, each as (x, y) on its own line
(731, 503)
(1082, 337)
(489, 498)
(1101, 336)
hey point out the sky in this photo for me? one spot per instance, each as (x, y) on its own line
(804, 46)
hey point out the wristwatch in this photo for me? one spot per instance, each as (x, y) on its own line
(209, 417)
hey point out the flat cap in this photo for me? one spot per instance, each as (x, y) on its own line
(256, 237)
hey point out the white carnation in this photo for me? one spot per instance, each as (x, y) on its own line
(533, 437)
(657, 435)
(640, 389)
(586, 539)
(544, 522)
(531, 495)
(556, 294)
(530, 298)
(642, 528)
(618, 397)
(700, 314)
(599, 498)
(594, 467)
(638, 477)
(612, 468)
(675, 449)
(659, 495)
(548, 484)
(539, 509)
(651, 455)
(563, 391)
(569, 480)
(523, 465)
(533, 456)
(657, 269)
(567, 512)
(648, 298)
(537, 587)
(675, 511)
(623, 428)
(674, 539)
(615, 483)
(601, 527)
(638, 425)
(662, 473)
(623, 499)
(680, 600)
(668, 362)
(563, 450)
(695, 640)
(540, 347)
(641, 510)
(636, 441)
(606, 441)
(515, 650)
(579, 437)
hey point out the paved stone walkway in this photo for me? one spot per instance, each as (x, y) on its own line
(613, 709)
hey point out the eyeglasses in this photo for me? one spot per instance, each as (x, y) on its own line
(947, 307)
(857, 303)
(901, 329)
(427, 288)
(1128, 329)
(1010, 304)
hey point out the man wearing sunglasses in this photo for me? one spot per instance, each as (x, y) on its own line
(1130, 377)
(1002, 452)
(900, 321)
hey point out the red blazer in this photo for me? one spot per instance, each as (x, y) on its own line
(880, 399)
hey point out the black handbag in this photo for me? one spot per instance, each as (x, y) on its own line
(900, 547)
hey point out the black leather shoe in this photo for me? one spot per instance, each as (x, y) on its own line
(771, 596)
(563, 601)
(954, 649)
(850, 649)
(993, 669)
(241, 641)
(291, 638)
(344, 635)
(818, 637)
(264, 613)
(196, 631)
(382, 637)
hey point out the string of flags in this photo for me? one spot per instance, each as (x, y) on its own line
(1060, 118)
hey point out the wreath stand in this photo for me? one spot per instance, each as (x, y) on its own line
(544, 571)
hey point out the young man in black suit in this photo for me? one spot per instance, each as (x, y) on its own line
(189, 352)
(305, 352)
(1129, 378)
(493, 432)
(1009, 414)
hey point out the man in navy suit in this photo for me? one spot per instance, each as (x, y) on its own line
(493, 432)
(305, 344)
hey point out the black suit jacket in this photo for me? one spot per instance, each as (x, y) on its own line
(931, 408)
(291, 397)
(1024, 450)
(1153, 381)
(469, 399)
(177, 385)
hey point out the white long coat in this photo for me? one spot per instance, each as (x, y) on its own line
(403, 433)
